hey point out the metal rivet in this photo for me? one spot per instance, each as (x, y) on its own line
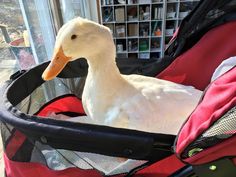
(212, 168)
(44, 139)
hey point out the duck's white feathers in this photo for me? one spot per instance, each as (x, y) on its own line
(133, 101)
(137, 102)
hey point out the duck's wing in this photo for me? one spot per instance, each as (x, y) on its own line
(159, 105)
(151, 83)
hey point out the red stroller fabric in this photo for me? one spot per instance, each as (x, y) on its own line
(196, 66)
(68, 103)
(20, 169)
(218, 99)
(72, 103)
(65, 103)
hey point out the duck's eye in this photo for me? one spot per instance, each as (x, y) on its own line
(73, 36)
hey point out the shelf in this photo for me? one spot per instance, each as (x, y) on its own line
(142, 28)
(144, 51)
(156, 36)
(154, 20)
(135, 21)
(132, 4)
(154, 3)
(133, 51)
(155, 50)
(169, 35)
(132, 37)
(121, 52)
(174, 19)
(143, 21)
(110, 5)
(119, 5)
(119, 37)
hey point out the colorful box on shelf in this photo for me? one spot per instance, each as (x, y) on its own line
(169, 32)
(143, 45)
(120, 31)
(132, 29)
(144, 55)
(107, 2)
(132, 2)
(170, 15)
(145, 1)
(119, 48)
(158, 13)
(120, 14)
(121, 1)
(146, 16)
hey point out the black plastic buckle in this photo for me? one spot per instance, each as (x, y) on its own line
(17, 74)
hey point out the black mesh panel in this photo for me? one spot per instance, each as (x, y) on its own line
(222, 129)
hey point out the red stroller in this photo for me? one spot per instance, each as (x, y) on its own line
(205, 145)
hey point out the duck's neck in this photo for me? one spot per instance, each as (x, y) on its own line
(103, 82)
(102, 67)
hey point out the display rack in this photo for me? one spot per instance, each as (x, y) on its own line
(142, 28)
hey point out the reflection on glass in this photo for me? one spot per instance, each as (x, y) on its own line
(38, 20)
(14, 41)
(71, 9)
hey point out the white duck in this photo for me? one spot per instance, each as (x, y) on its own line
(109, 98)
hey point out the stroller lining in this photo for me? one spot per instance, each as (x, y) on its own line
(49, 150)
(58, 158)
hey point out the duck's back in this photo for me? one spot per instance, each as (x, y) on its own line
(156, 105)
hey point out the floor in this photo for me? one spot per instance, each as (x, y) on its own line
(7, 68)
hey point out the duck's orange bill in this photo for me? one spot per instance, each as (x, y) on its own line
(57, 63)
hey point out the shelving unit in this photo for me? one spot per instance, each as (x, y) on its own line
(142, 28)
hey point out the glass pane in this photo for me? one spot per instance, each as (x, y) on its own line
(38, 20)
(71, 9)
(15, 47)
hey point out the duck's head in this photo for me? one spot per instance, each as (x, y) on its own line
(78, 38)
